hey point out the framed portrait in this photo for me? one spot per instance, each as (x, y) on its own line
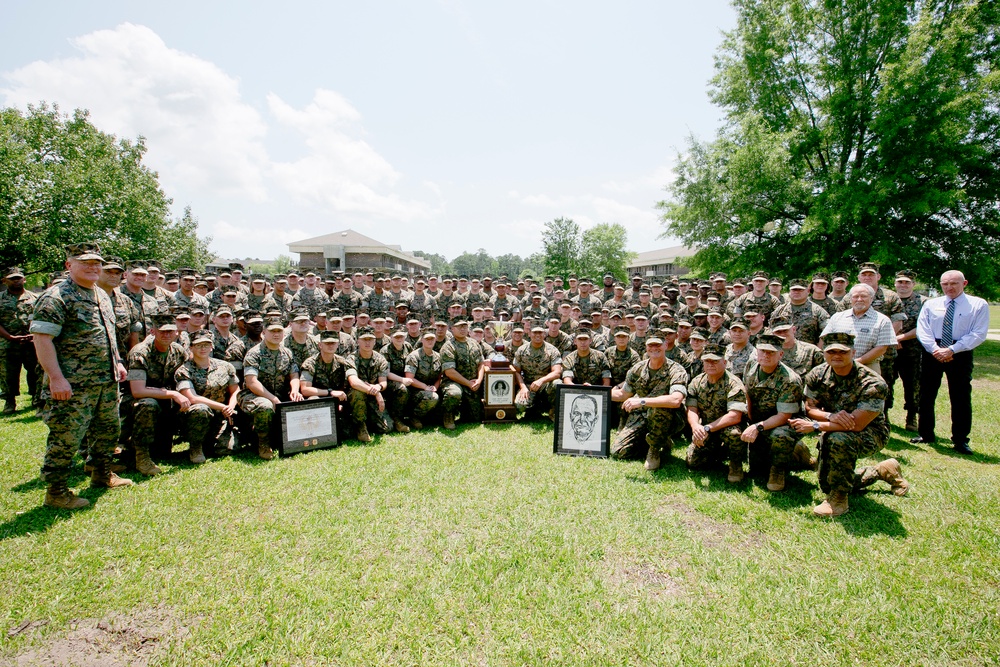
(307, 425)
(499, 388)
(583, 422)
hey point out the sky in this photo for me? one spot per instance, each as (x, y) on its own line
(443, 126)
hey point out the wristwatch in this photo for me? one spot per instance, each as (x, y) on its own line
(816, 426)
(642, 402)
(708, 428)
(760, 427)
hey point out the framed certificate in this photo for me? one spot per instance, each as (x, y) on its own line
(307, 425)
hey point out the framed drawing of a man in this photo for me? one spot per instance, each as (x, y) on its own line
(583, 424)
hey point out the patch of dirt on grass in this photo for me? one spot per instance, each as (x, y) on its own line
(639, 578)
(120, 640)
(710, 532)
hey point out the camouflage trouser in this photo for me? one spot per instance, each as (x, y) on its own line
(839, 453)
(888, 369)
(455, 397)
(125, 412)
(543, 399)
(13, 357)
(154, 425)
(422, 402)
(719, 446)
(261, 413)
(908, 370)
(202, 426)
(396, 396)
(773, 448)
(90, 415)
(364, 411)
(647, 428)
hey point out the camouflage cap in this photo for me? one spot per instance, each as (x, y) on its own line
(700, 332)
(837, 340)
(582, 333)
(113, 263)
(714, 310)
(622, 331)
(197, 309)
(700, 312)
(775, 281)
(760, 275)
(798, 283)
(868, 266)
(683, 321)
(187, 272)
(180, 311)
(202, 336)
(236, 266)
(769, 342)
(739, 323)
(781, 323)
(253, 316)
(713, 352)
(299, 315)
(366, 332)
(906, 274)
(229, 290)
(428, 332)
(222, 310)
(665, 330)
(840, 275)
(14, 272)
(654, 340)
(164, 322)
(273, 323)
(84, 251)
(136, 266)
(821, 277)
(402, 304)
(329, 337)
(739, 281)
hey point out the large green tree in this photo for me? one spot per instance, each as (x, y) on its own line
(62, 180)
(561, 242)
(855, 130)
(603, 250)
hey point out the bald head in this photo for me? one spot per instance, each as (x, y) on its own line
(953, 283)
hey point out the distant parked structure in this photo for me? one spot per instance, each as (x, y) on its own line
(349, 251)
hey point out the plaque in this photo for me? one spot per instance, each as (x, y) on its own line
(498, 395)
(307, 425)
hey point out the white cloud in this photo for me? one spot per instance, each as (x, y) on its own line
(655, 180)
(342, 172)
(200, 133)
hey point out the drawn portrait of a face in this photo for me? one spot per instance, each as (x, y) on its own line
(583, 416)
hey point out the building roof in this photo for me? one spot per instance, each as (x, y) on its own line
(669, 255)
(355, 242)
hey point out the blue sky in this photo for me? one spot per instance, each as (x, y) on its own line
(440, 126)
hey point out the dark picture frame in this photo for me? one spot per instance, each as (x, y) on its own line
(583, 421)
(307, 425)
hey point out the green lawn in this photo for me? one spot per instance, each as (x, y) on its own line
(481, 547)
(994, 317)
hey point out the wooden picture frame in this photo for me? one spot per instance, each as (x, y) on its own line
(583, 421)
(307, 425)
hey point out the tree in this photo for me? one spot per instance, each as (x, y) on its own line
(480, 264)
(439, 263)
(63, 181)
(603, 251)
(855, 130)
(561, 241)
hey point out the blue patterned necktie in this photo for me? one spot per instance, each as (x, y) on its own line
(949, 318)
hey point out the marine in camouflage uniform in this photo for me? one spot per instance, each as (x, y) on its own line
(908, 356)
(620, 361)
(809, 319)
(373, 370)
(769, 394)
(333, 375)
(648, 431)
(765, 303)
(712, 401)
(860, 389)
(592, 368)
(739, 359)
(16, 347)
(77, 324)
(425, 368)
(202, 425)
(466, 359)
(348, 301)
(283, 303)
(155, 420)
(274, 369)
(397, 394)
(313, 299)
(533, 362)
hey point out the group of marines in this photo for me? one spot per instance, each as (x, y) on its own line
(738, 368)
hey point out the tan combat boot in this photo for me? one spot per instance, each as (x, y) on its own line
(363, 435)
(144, 464)
(834, 505)
(401, 427)
(264, 450)
(888, 471)
(448, 421)
(652, 459)
(735, 473)
(416, 424)
(59, 495)
(105, 479)
(196, 455)
(776, 480)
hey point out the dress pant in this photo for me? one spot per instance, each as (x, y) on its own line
(959, 373)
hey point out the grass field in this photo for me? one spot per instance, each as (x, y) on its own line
(481, 547)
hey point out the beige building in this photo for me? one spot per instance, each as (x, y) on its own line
(350, 251)
(663, 262)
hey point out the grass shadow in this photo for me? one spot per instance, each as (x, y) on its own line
(947, 449)
(797, 493)
(866, 518)
(28, 416)
(899, 440)
(40, 519)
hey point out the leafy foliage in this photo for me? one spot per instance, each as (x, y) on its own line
(856, 130)
(63, 181)
(603, 251)
(561, 242)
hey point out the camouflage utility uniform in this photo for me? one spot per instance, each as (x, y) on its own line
(647, 428)
(713, 401)
(203, 425)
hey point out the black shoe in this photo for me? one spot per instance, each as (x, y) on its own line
(922, 440)
(963, 448)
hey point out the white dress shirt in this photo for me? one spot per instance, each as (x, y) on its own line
(969, 327)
